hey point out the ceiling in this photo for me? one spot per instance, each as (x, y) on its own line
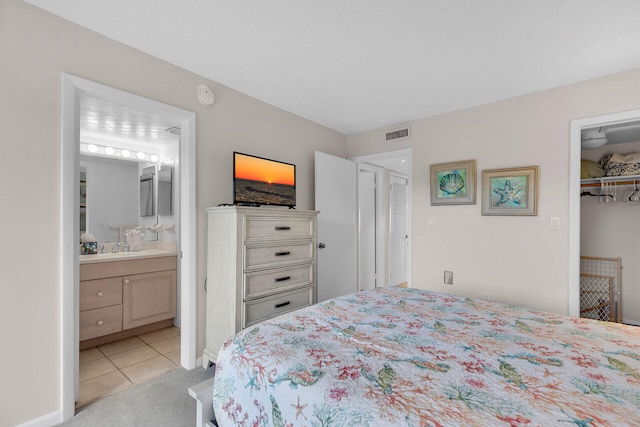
(359, 65)
(108, 120)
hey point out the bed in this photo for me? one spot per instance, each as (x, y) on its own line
(408, 357)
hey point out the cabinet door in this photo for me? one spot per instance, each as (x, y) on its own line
(148, 298)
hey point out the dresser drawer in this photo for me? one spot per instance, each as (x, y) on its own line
(100, 321)
(280, 228)
(261, 256)
(100, 293)
(264, 308)
(266, 282)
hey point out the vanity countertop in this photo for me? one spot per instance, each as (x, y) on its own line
(123, 256)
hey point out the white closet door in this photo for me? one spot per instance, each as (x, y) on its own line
(336, 199)
(398, 234)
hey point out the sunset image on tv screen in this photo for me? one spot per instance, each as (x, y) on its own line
(264, 182)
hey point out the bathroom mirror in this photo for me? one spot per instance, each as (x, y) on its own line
(113, 197)
(165, 191)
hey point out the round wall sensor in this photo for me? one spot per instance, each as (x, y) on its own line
(205, 96)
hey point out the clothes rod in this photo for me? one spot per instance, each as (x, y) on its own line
(599, 184)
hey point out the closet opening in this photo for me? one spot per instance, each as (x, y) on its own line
(608, 279)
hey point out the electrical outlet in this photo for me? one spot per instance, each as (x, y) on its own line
(448, 277)
(490, 296)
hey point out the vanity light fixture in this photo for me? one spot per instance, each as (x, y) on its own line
(98, 150)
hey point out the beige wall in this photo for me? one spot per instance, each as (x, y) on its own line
(519, 259)
(36, 48)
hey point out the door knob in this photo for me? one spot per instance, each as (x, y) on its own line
(321, 245)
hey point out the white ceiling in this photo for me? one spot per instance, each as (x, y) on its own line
(359, 65)
(123, 126)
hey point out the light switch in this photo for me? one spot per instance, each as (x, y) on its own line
(555, 223)
(448, 277)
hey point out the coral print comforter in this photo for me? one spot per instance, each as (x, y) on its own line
(406, 357)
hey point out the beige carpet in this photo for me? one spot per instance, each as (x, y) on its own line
(163, 401)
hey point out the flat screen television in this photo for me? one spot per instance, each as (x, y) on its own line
(258, 181)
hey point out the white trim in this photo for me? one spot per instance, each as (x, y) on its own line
(575, 149)
(50, 419)
(187, 255)
(72, 87)
(380, 217)
(69, 222)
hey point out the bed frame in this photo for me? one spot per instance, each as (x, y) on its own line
(203, 393)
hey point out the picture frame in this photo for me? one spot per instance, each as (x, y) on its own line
(512, 191)
(453, 183)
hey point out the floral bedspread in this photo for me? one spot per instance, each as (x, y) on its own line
(408, 357)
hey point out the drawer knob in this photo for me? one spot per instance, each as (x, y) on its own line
(283, 253)
(283, 304)
(126, 280)
(282, 279)
(100, 322)
(283, 228)
(100, 293)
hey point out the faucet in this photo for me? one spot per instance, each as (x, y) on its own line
(116, 247)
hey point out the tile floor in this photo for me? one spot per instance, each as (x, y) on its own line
(112, 367)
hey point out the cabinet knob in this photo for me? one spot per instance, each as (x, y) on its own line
(100, 293)
(126, 280)
(100, 323)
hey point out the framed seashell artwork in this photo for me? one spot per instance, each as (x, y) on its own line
(453, 183)
(510, 191)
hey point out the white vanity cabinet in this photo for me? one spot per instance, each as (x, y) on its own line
(123, 298)
(261, 262)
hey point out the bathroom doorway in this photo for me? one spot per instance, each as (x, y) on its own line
(75, 90)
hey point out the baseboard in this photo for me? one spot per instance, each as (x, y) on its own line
(128, 333)
(51, 419)
(631, 322)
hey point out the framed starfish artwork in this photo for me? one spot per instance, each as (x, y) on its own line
(510, 191)
(453, 183)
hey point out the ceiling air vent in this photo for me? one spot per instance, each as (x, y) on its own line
(397, 134)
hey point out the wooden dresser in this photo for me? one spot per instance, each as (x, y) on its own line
(261, 262)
